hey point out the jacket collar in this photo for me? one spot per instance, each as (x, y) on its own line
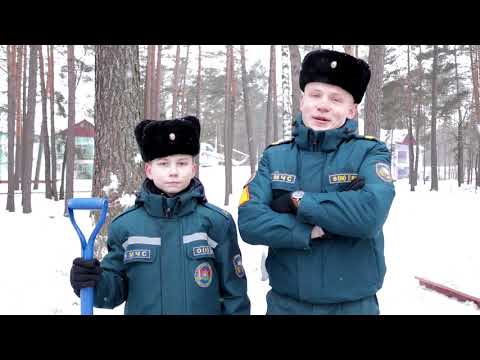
(158, 204)
(308, 139)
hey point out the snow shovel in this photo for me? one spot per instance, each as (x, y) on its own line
(86, 294)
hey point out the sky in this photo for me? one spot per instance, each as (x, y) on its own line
(423, 237)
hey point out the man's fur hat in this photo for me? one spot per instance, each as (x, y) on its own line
(336, 68)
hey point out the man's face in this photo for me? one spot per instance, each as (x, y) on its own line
(325, 106)
(171, 174)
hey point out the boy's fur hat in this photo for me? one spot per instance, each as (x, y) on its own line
(160, 138)
(336, 68)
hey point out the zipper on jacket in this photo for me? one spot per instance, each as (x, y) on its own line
(184, 262)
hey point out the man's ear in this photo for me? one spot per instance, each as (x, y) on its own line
(353, 112)
(148, 170)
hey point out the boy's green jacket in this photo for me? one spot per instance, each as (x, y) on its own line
(176, 255)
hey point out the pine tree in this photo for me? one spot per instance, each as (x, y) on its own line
(118, 109)
(28, 133)
(12, 106)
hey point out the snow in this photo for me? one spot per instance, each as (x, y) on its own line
(427, 234)
(113, 184)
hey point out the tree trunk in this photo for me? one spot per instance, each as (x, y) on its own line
(70, 165)
(476, 97)
(45, 138)
(295, 64)
(477, 170)
(373, 101)
(286, 106)
(460, 165)
(268, 118)
(411, 160)
(51, 89)
(175, 83)
(199, 84)
(445, 149)
(184, 81)
(475, 75)
(159, 104)
(28, 132)
(233, 98)
(228, 114)
(149, 82)
(118, 108)
(273, 56)
(417, 121)
(248, 119)
(433, 146)
(417, 143)
(20, 119)
(12, 107)
(197, 101)
(62, 180)
(39, 161)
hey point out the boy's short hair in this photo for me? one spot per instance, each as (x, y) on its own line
(160, 138)
(336, 68)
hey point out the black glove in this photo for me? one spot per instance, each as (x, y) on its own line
(356, 184)
(284, 204)
(84, 273)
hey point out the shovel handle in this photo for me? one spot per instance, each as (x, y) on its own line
(86, 294)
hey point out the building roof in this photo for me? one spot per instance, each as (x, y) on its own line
(408, 139)
(81, 129)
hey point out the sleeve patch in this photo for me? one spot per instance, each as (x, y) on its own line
(383, 172)
(245, 196)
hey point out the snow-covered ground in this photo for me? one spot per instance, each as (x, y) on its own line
(428, 234)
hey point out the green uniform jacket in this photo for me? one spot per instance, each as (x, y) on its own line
(350, 264)
(175, 255)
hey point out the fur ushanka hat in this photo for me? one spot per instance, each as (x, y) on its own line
(160, 138)
(336, 68)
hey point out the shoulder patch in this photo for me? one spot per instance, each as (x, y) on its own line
(126, 211)
(217, 209)
(383, 171)
(280, 142)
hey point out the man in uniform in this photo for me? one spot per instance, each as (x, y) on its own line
(319, 200)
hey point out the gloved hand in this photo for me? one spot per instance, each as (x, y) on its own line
(356, 184)
(284, 204)
(84, 273)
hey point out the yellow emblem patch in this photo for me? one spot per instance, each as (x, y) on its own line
(383, 172)
(245, 196)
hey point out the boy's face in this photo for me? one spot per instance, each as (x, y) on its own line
(171, 174)
(325, 106)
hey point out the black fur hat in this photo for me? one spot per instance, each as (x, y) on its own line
(160, 138)
(336, 68)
